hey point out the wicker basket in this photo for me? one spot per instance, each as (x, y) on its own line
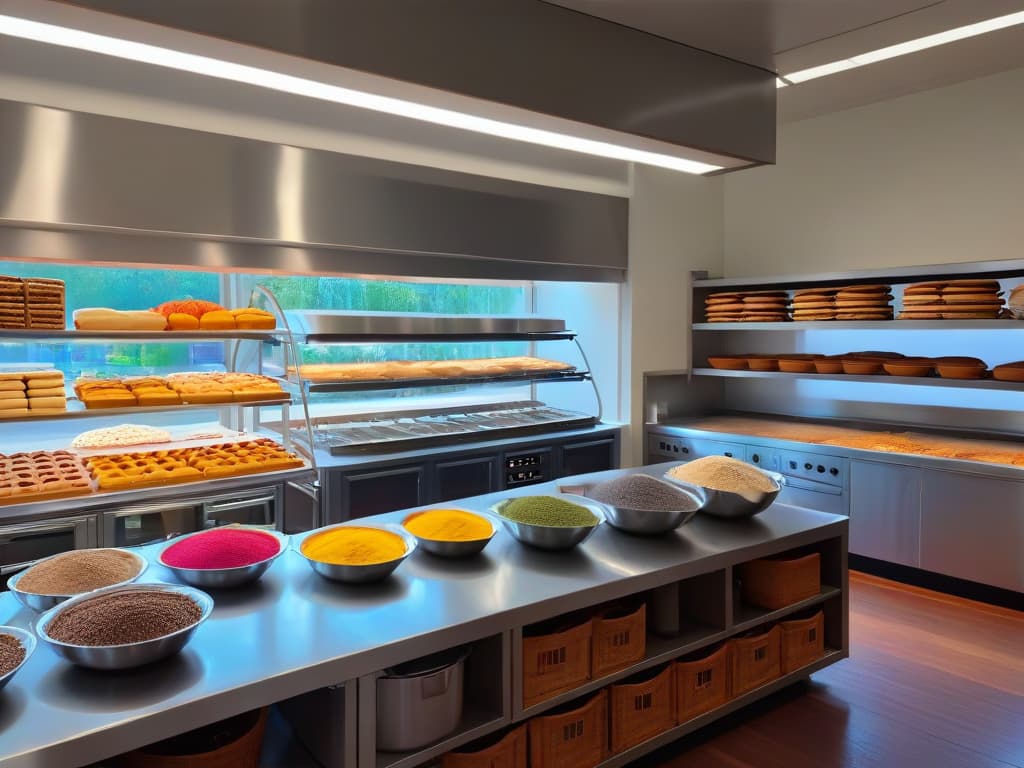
(702, 684)
(555, 663)
(240, 739)
(778, 582)
(803, 641)
(577, 738)
(755, 660)
(620, 639)
(641, 710)
(508, 752)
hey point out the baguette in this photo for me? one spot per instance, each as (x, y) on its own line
(103, 319)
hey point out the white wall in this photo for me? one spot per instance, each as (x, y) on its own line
(675, 227)
(934, 177)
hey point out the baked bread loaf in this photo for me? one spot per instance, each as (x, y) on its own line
(103, 319)
(426, 369)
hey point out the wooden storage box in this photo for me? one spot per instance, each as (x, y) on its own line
(508, 752)
(555, 663)
(803, 641)
(778, 582)
(620, 639)
(702, 684)
(755, 660)
(232, 743)
(641, 710)
(577, 738)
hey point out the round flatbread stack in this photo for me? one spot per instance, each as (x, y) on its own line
(747, 306)
(813, 304)
(953, 300)
(864, 302)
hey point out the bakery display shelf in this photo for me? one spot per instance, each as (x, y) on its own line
(305, 473)
(76, 410)
(526, 377)
(169, 337)
(880, 378)
(340, 327)
(868, 325)
(994, 270)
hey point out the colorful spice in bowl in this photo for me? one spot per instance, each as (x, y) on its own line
(643, 492)
(124, 617)
(221, 548)
(354, 545)
(12, 653)
(83, 570)
(448, 525)
(548, 511)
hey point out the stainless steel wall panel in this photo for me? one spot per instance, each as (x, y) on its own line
(525, 53)
(236, 203)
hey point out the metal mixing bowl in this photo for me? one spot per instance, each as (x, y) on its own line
(650, 522)
(731, 505)
(550, 536)
(452, 548)
(359, 574)
(28, 642)
(223, 578)
(41, 603)
(114, 657)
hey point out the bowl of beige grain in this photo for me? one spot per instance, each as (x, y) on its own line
(734, 489)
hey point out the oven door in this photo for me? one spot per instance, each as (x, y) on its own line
(811, 494)
(21, 544)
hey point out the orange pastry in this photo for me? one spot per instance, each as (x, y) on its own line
(218, 320)
(180, 321)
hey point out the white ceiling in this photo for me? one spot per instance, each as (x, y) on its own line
(789, 35)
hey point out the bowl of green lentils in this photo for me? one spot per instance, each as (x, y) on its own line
(555, 522)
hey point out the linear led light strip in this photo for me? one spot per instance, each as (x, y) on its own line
(278, 81)
(901, 49)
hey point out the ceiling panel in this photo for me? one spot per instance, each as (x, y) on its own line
(752, 31)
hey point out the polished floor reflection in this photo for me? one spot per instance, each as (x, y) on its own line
(932, 681)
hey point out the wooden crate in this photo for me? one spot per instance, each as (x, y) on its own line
(702, 684)
(641, 710)
(803, 641)
(555, 663)
(777, 582)
(510, 751)
(620, 639)
(755, 660)
(577, 738)
(241, 738)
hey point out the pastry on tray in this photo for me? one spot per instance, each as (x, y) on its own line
(426, 369)
(39, 475)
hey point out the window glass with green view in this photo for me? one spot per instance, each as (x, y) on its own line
(117, 288)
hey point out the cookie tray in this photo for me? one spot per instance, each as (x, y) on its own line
(77, 410)
(111, 499)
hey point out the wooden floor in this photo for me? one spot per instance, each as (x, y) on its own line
(932, 682)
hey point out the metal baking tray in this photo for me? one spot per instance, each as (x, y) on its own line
(325, 327)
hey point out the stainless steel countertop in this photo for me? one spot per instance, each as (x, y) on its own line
(682, 428)
(293, 631)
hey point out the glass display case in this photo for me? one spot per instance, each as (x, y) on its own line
(402, 380)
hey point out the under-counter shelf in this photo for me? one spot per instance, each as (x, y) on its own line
(868, 325)
(881, 378)
(77, 410)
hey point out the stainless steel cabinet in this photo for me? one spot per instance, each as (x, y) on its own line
(885, 512)
(973, 528)
(23, 543)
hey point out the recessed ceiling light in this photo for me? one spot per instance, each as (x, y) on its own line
(278, 81)
(911, 46)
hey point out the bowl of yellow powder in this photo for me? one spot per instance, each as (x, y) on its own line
(356, 553)
(450, 532)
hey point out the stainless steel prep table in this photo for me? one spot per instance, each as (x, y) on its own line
(293, 632)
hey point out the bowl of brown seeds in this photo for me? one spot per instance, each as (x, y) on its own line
(55, 579)
(16, 645)
(126, 626)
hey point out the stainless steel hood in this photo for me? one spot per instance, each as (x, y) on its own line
(528, 54)
(82, 187)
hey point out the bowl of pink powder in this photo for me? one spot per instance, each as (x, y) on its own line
(225, 557)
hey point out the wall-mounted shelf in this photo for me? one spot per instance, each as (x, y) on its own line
(914, 381)
(874, 325)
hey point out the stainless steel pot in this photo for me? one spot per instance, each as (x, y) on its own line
(420, 703)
